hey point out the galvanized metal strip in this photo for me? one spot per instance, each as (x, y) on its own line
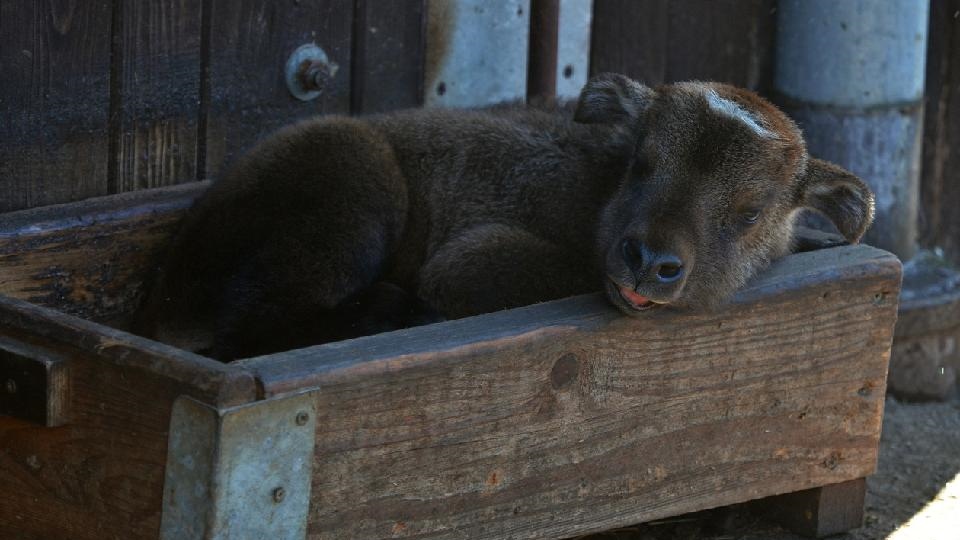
(188, 482)
(476, 52)
(238, 473)
(573, 47)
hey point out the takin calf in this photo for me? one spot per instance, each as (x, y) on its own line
(337, 227)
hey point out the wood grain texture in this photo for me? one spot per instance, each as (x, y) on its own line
(101, 475)
(566, 417)
(387, 68)
(54, 101)
(35, 385)
(822, 511)
(158, 93)
(90, 258)
(657, 41)
(250, 41)
(630, 37)
(939, 219)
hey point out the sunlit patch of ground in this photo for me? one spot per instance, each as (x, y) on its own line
(940, 518)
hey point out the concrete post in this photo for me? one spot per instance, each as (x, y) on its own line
(851, 74)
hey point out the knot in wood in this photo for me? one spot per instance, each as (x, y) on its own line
(565, 371)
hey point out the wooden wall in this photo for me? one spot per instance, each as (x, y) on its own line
(105, 96)
(661, 41)
(939, 220)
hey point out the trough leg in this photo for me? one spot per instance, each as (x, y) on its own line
(821, 511)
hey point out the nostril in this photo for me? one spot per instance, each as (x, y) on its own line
(633, 252)
(669, 271)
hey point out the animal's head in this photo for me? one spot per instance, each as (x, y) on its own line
(716, 180)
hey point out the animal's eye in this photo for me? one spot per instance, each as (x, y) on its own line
(750, 216)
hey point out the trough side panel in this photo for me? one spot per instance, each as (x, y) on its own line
(90, 258)
(54, 101)
(99, 476)
(588, 420)
(157, 93)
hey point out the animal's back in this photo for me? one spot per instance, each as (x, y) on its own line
(323, 209)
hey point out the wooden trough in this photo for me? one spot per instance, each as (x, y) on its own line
(548, 421)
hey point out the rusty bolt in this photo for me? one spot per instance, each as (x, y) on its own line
(279, 494)
(302, 418)
(308, 72)
(11, 386)
(315, 75)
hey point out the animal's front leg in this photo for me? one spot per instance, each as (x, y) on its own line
(493, 267)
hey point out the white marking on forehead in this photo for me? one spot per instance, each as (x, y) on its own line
(729, 108)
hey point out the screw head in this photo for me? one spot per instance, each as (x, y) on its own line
(279, 494)
(302, 418)
(11, 386)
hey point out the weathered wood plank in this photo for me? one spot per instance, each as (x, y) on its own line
(89, 258)
(35, 385)
(822, 511)
(389, 48)
(206, 379)
(54, 101)
(939, 219)
(629, 37)
(100, 475)
(158, 93)
(250, 41)
(566, 417)
(657, 41)
(727, 40)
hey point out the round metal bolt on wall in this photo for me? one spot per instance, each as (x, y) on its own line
(309, 72)
(279, 494)
(302, 418)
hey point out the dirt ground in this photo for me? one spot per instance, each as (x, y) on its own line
(915, 494)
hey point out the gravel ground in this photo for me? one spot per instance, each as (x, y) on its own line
(915, 494)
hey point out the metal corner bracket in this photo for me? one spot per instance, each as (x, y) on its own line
(241, 472)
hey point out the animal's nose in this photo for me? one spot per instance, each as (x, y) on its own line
(645, 263)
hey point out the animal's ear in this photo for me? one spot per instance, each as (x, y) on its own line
(612, 98)
(839, 195)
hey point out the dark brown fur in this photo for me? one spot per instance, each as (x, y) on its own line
(476, 211)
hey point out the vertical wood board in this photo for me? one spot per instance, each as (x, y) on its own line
(657, 41)
(389, 55)
(54, 101)
(939, 218)
(158, 93)
(250, 41)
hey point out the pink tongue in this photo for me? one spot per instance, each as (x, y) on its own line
(632, 296)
